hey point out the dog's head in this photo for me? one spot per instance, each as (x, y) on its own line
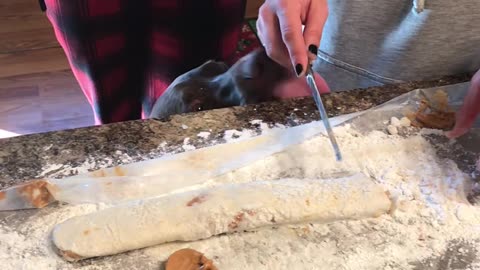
(213, 85)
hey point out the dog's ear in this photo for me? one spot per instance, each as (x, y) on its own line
(208, 69)
(252, 65)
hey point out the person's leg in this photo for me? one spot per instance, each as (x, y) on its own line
(104, 42)
(185, 34)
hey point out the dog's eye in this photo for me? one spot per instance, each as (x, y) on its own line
(199, 108)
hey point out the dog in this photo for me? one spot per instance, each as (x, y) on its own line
(252, 79)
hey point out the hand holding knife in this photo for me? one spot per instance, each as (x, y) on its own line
(323, 113)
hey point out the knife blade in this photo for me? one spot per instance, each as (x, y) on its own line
(323, 113)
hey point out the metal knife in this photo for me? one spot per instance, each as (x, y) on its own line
(323, 113)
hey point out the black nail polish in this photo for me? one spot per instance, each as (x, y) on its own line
(313, 49)
(298, 69)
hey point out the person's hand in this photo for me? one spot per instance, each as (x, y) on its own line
(469, 111)
(280, 30)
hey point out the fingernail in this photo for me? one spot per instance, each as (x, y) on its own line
(313, 49)
(298, 69)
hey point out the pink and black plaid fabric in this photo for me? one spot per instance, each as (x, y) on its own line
(125, 53)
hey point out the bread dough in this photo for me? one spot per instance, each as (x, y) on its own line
(228, 208)
(189, 259)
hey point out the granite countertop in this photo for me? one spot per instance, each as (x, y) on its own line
(32, 156)
(27, 157)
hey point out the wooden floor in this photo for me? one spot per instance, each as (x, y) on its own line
(42, 102)
(28, 44)
(38, 92)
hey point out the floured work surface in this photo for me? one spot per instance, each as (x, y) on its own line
(433, 226)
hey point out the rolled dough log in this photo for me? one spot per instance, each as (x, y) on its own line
(222, 209)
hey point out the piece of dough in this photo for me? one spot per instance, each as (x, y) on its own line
(222, 209)
(189, 259)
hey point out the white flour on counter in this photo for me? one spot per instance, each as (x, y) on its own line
(187, 146)
(233, 135)
(203, 135)
(430, 212)
(28, 247)
(93, 162)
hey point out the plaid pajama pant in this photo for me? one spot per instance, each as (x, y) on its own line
(125, 53)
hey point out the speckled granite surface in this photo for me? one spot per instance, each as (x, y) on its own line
(26, 157)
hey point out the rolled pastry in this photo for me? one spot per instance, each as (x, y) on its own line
(200, 214)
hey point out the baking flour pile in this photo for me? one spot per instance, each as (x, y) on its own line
(430, 215)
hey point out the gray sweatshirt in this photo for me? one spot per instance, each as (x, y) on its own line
(372, 42)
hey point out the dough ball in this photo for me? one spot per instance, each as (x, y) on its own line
(405, 122)
(188, 259)
(392, 130)
(394, 121)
